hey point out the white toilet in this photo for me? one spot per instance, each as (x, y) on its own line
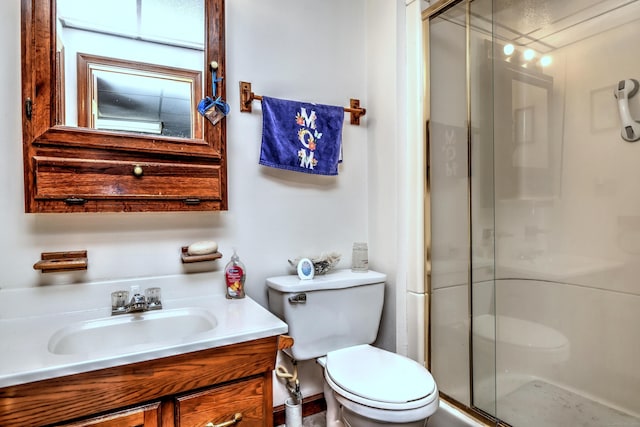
(333, 318)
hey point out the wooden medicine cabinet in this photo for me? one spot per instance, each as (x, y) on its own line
(109, 107)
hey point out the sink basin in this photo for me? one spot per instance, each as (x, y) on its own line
(127, 331)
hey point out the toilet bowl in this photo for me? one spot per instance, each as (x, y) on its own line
(374, 387)
(334, 319)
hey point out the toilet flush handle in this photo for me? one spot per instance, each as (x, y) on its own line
(298, 298)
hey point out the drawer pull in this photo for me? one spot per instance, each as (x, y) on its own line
(137, 170)
(236, 418)
(75, 201)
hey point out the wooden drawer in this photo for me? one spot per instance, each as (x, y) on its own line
(81, 179)
(143, 416)
(220, 404)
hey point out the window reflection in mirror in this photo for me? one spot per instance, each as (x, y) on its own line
(143, 35)
(131, 96)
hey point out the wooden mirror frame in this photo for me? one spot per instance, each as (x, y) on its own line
(44, 137)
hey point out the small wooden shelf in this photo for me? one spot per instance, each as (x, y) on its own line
(186, 258)
(52, 262)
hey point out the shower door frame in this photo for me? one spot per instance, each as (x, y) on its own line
(433, 10)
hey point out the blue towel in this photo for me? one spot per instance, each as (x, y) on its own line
(301, 137)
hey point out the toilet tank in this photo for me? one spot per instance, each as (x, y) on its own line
(329, 312)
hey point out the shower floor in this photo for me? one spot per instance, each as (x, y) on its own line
(538, 403)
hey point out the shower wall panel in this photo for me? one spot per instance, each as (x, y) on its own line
(569, 260)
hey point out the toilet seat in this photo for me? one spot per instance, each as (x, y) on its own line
(379, 379)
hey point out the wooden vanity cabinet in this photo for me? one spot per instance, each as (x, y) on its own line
(242, 400)
(187, 390)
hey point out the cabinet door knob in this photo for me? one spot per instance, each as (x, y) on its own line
(236, 418)
(137, 170)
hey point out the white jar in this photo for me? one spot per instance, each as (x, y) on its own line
(360, 257)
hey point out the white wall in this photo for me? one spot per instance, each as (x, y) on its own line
(384, 200)
(273, 215)
(320, 51)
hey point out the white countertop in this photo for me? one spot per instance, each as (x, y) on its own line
(29, 317)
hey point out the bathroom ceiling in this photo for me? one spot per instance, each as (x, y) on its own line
(546, 25)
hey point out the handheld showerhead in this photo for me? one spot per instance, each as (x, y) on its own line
(630, 128)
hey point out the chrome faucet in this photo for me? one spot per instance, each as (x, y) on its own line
(121, 304)
(137, 304)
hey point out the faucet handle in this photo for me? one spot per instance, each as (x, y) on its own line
(119, 301)
(154, 298)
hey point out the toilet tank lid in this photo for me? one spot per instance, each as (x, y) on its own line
(337, 279)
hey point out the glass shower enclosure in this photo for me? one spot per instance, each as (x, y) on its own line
(534, 187)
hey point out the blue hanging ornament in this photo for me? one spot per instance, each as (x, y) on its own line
(213, 107)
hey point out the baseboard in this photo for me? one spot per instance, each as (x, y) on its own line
(310, 405)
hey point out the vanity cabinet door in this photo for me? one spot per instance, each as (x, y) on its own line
(141, 416)
(219, 405)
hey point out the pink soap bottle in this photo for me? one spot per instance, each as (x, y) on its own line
(234, 276)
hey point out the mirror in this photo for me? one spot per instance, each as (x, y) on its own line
(168, 41)
(131, 65)
(110, 90)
